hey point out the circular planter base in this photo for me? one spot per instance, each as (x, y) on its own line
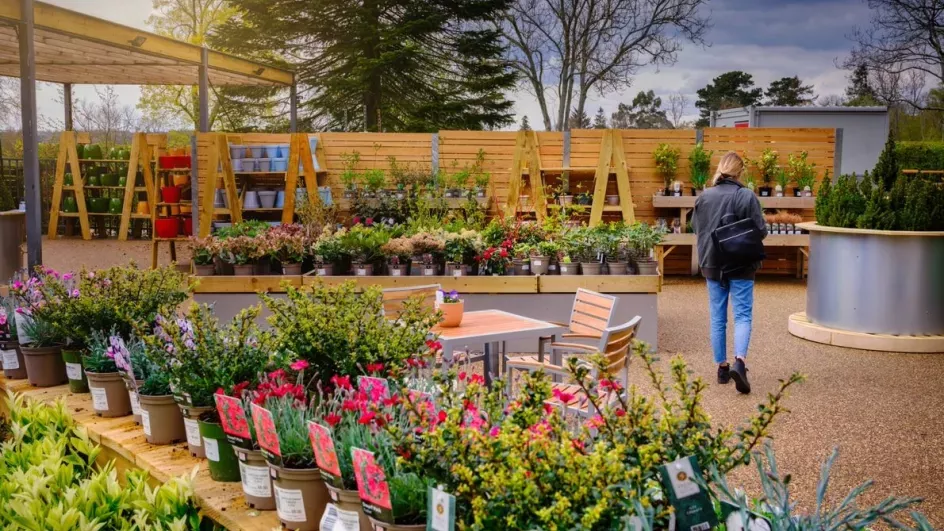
(800, 326)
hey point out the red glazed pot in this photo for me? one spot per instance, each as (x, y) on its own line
(170, 194)
(166, 227)
(187, 227)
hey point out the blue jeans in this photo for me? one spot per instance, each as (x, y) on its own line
(742, 293)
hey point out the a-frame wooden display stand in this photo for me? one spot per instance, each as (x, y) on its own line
(527, 153)
(299, 151)
(141, 155)
(612, 155)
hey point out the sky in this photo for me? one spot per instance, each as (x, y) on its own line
(769, 39)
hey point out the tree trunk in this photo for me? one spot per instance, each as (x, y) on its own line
(372, 98)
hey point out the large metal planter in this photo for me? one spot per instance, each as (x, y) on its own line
(876, 282)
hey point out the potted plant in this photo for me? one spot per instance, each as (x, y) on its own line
(495, 260)
(350, 175)
(374, 181)
(583, 197)
(521, 253)
(327, 251)
(750, 183)
(239, 252)
(428, 250)
(699, 163)
(39, 319)
(234, 411)
(452, 308)
(161, 419)
(550, 249)
(134, 367)
(460, 250)
(767, 166)
(666, 159)
(14, 367)
(398, 252)
(583, 247)
(363, 245)
(287, 246)
(481, 184)
(643, 240)
(204, 252)
(458, 182)
(109, 394)
(782, 180)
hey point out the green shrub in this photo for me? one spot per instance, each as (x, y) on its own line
(887, 169)
(912, 203)
(920, 155)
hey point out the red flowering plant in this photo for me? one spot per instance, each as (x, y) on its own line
(282, 393)
(496, 260)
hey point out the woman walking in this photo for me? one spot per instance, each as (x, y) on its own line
(726, 202)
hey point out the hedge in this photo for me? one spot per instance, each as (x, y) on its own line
(920, 155)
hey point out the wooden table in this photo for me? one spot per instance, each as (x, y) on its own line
(492, 327)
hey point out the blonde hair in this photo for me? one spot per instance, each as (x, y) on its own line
(731, 166)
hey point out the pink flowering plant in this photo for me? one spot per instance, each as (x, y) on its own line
(43, 301)
(7, 319)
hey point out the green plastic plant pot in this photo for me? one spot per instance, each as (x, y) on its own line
(69, 204)
(78, 383)
(114, 205)
(221, 458)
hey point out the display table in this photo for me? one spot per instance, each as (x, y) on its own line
(12, 235)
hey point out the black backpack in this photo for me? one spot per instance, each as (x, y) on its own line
(738, 242)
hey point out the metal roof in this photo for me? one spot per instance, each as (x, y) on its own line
(72, 47)
(815, 108)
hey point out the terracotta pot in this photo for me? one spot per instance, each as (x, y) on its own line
(244, 270)
(324, 270)
(221, 459)
(300, 497)
(569, 269)
(363, 270)
(394, 527)
(617, 268)
(143, 208)
(452, 313)
(133, 399)
(109, 394)
(590, 268)
(78, 383)
(400, 270)
(204, 270)
(14, 367)
(44, 365)
(257, 483)
(181, 179)
(161, 418)
(291, 269)
(192, 427)
(539, 265)
(647, 267)
(350, 501)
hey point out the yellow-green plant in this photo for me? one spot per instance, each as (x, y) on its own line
(666, 157)
(767, 165)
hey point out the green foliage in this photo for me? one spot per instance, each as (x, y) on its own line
(291, 419)
(699, 162)
(97, 358)
(887, 169)
(920, 155)
(914, 203)
(767, 165)
(363, 244)
(727, 91)
(251, 228)
(7, 201)
(666, 157)
(789, 91)
(801, 171)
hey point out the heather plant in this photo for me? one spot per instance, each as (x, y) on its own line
(241, 250)
(287, 243)
(399, 248)
(204, 250)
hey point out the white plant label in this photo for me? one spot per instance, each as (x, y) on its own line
(290, 504)
(256, 481)
(99, 398)
(394, 272)
(334, 519)
(457, 272)
(362, 272)
(526, 267)
(429, 272)
(135, 403)
(212, 450)
(74, 371)
(193, 432)
(681, 474)
(322, 272)
(10, 361)
(536, 263)
(146, 421)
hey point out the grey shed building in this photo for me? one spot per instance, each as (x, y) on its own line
(861, 135)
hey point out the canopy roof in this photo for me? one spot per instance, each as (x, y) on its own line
(75, 48)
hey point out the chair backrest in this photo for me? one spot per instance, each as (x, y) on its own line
(615, 344)
(393, 298)
(592, 312)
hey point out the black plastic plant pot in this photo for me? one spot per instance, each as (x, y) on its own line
(765, 191)
(221, 458)
(78, 383)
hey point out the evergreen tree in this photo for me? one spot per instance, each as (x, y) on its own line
(579, 120)
(398, 65)
(789, 91)
(823, 200)
(859, 93)
(645, 112)
(886, 169)
(599, 121)
(525, 125)
(727, 91)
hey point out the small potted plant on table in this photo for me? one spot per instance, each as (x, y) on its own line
(767, 166)
(452, 308)
(460, 250)
(327, 251)
(287, 246)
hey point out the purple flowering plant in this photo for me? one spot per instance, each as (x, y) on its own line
(450, 297)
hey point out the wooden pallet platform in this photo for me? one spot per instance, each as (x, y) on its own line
(800, 326)
(123, 441)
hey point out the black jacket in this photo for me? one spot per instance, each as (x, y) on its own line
(707, 218)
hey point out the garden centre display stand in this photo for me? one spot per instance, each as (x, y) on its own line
(527, 153)
(143, 151)
(874, 290)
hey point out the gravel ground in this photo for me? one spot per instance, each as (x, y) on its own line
(879, 409)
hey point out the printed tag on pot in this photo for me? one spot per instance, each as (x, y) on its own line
(212, 450)
(429, 272)
(10, 360)
(146, 421)
(99, 398)
(290, 504)
(325, 455)
(441, 508)
(193, 432)
(372, 485)
(233, 420)
(693, 508)
(266, 435)
(74, 371)
(322, 272)
(376, 388)
(335, 519)
(394, 272)
(135, 403)
(256, 481)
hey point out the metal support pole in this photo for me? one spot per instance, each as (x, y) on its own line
(204, 90)
(34, 215)
(67, 93)
(293, 108)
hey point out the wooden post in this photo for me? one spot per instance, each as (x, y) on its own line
(612, 155)
(536, 176)
(601, 178)
(514, 180)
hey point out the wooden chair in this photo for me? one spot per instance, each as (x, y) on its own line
(615, 344)
(589, 316)
(393, 298)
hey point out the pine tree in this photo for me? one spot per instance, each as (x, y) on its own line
(789, 91)
(579, 120)
(859, 93)
(398, 65)
(823, 200)
(886, 169)
(525, 125)
(599, 121)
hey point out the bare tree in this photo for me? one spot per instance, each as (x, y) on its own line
(678, 102)
(107, 120)
(906, 38)
(9, 102)
(563, 49)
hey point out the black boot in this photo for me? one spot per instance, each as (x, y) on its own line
(724, 374)
(739, 374)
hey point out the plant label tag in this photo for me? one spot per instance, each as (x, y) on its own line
(256, 481)
(233, 420)
(372, 485)
(693, 508)
(212, 450)
(135, 403)
(376, 388)
(537, 263)
(734, 519)
(74, 371)
(266, 435)
(146, 421)
(441, 509)
(99, 399)
(361, 272)
(326, 457)
(290, 504)
(395, 272)
(635, 523)
(322, 273)
(193, 432)
(10, 360)
(680, 474)
(457, 272)
(526, 267)
(429, 271)
(335, 519)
